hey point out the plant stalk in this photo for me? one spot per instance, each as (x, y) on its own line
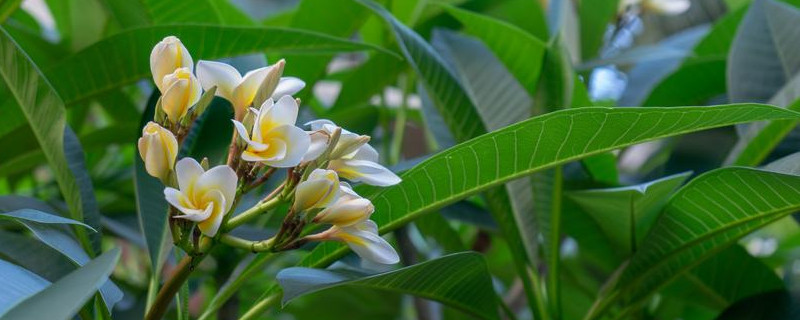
(171, 287)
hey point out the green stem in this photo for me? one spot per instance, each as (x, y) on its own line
(553, 269)
(251, 213)
(229, 289)
(400, 123)
(252, 246)
(171, 287)
(261, 307)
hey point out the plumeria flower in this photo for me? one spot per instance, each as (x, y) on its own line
(353, 158)
(275, 141)
(168, 55)
(348, 210)
(182, 92)
(158, 148)
(364, 240)
(204, 196)
(241, 91)
(664, 7)
(318, 191)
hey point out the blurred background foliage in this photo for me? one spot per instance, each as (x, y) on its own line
(565, 54)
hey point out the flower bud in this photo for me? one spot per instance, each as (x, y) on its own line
(346, 212)
(318, 191)
(182, 92)
(158, 148)
(168, 55)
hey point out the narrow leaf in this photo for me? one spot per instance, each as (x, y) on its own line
(71, 292)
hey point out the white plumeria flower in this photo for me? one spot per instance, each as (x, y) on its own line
(241, 91)
(168, 55)
(664, 7)
(204, 196)
(158, 148)
(275, 141)
(182, 92)
(353, 158)
(364, 240)
(348, 210)
(318, 191)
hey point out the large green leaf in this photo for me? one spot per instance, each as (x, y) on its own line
(459, 280)
(762, 56)
(533, 145)
(715, 284)
(626, 214)
(704, 217)
(62, 299)
(521, 52)
(124, 57)
(45, 113)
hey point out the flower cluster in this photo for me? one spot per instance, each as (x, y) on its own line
(266, 138)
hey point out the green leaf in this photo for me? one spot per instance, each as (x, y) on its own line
(459, 280)
(379, 71)
(757, 140)
(521, 52)
(340, 18)
(124, 57)
(715, 284)
(704, 217)
(695, 82)
(7, 8)
(70, 292)
(626, 214)
(18, 284)
(533, 145)
(594, 17)
(44, 111)
(44, 227)
(762, 56)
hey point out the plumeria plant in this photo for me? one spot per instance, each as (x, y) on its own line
(203, 200)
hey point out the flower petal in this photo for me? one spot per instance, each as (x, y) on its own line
(318, 144)
(220, 178)
(284, 112)
(366, 152)
(188, 171)
(365, 171)
(368, 244)
(288, 86)
(210, 225)
(297, 142)
(174, 100)
(244, 93)
(178, 200)
(222, 75)
(242, 131)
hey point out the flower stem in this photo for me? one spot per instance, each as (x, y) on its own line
(171, 287)
(251, 213)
